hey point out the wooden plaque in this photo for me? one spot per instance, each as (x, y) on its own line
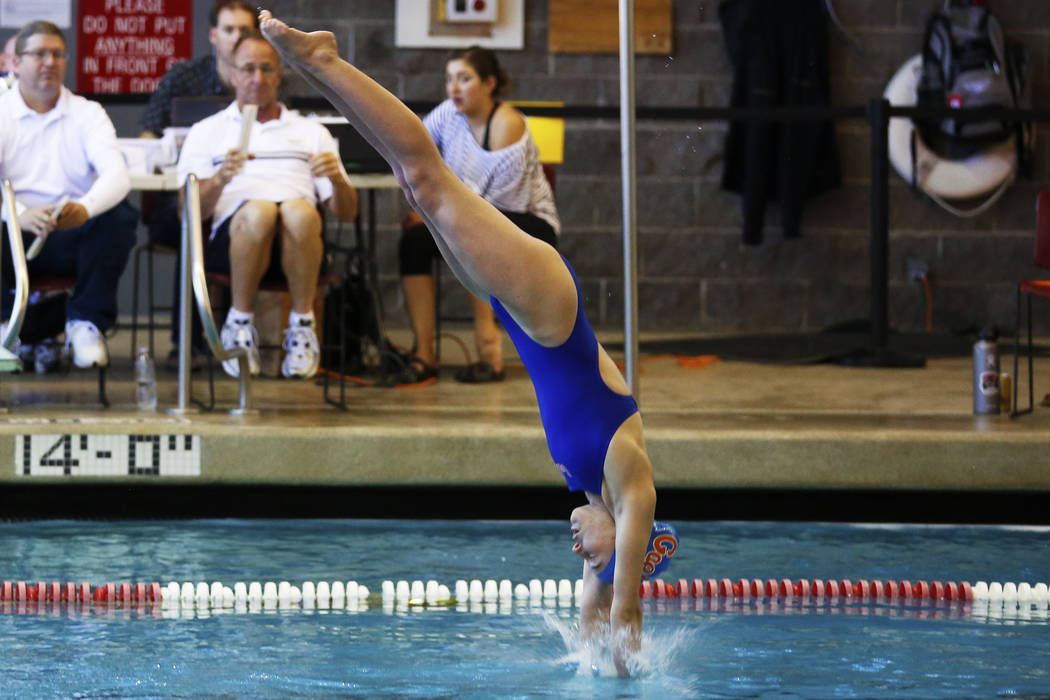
(592, 26)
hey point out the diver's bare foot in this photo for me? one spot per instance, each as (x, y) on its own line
(297, 46)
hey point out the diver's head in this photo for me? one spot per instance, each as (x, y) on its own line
(593, 535)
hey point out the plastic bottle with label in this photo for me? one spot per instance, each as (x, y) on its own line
(145, 381)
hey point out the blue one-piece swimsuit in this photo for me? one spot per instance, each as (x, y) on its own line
(580, 413)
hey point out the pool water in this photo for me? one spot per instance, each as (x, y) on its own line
(692, 648)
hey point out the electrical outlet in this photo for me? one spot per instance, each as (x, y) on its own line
(471, 10)
(916, 269)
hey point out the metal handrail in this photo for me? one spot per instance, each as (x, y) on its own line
(193, 267)
(18, 259)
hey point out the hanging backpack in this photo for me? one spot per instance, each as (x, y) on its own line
(967, 63)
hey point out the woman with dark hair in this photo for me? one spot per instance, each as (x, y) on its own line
(593, 428)
(487, 145)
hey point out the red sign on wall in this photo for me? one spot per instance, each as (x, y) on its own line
(128, 45)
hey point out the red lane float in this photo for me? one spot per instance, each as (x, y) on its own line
(817, 589)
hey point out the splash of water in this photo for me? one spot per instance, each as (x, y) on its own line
(658, 655)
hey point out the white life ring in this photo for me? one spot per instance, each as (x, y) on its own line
(940, 177)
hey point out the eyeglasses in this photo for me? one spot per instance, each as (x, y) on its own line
(42, 54)
(249, 69)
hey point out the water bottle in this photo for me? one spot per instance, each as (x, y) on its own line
(145, 381)
(986, 399)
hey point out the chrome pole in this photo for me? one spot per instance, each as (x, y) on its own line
(9, 362)
(185, 344)
(193, 249)
(630, 217)
(18, 264)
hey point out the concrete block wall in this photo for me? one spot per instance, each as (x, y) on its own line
(694, 274)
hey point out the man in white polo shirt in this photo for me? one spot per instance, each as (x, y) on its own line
(53, 145)
(263, 204)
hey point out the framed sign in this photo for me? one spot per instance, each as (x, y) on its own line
(128, 45)
(419, 24)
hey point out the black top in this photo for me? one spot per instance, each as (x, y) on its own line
(193, 78)
(485, 141)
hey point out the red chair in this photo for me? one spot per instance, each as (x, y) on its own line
(1032, 288)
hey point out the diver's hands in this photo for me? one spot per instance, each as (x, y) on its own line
(625, 631)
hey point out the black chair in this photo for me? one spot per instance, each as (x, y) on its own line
(185, 112)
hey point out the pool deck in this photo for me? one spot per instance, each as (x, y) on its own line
(729, 426)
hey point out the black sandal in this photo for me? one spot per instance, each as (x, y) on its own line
(417, 371)
(479, 373)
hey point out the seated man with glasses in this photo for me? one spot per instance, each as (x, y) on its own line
(56, 146)
(263, 203)
(201, 77)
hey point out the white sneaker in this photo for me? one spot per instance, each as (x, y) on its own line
(302, 351)
(240, 334)
(85, 344)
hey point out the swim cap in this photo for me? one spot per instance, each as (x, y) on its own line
(663, 543)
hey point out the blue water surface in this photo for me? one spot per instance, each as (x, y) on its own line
(692, 648)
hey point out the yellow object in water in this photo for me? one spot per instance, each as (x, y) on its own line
(419, 602)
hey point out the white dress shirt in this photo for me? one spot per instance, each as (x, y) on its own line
(279, 169)
(70, 150)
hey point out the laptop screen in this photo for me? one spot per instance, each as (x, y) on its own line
(356, 153)
(187, 111)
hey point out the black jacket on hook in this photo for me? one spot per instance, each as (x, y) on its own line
(779, 52)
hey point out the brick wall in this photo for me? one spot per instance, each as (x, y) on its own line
(694, 274)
